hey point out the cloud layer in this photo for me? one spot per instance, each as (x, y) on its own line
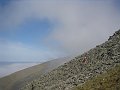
(18, 52)
(79, 25)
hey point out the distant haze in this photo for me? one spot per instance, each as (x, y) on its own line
(9, 68)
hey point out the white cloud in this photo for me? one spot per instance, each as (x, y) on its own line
(80, 24)
(23, 53)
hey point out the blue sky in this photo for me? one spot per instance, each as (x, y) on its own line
(40, 30)
(4, 2)
(30, 32)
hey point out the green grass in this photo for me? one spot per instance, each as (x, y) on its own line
(107, 81)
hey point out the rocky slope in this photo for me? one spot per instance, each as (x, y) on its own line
(80, 69)
(109, 80)
(17, 79)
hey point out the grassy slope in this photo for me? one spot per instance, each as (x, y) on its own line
(107, 81)
(8, 81)
(18, 78)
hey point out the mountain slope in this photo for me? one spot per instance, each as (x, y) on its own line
(11, 82)
(80, 69)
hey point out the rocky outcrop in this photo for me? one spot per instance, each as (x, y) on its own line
(80, 69)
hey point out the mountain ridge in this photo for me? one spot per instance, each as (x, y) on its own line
(67, 73)
(83, 67)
